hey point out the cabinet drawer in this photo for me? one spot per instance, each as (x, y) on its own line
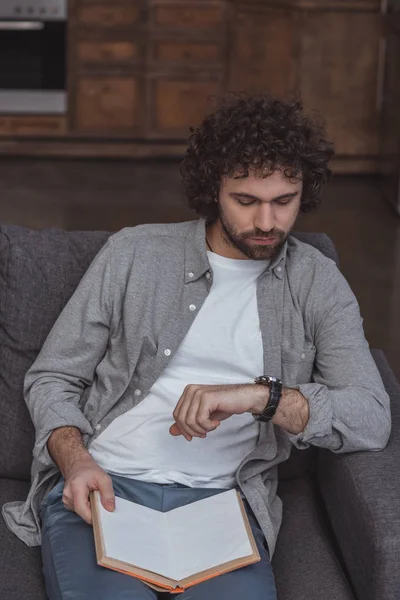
(179, 105)
(107, 52)
(32, 126)
(108, 15)
(186, 52)
(106, 103)
(181, 15)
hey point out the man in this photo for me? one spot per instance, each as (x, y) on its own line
(145, 387)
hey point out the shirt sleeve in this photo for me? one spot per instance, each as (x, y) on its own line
(349, 407)
(66, 364)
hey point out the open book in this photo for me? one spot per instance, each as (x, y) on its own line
(174, 550)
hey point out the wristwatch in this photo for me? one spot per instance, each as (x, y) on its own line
(275, 393)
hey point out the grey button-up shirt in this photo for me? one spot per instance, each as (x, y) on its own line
(127, 318)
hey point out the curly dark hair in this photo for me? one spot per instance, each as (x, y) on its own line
(259, 134)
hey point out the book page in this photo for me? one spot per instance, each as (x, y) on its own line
(207, 533)
(137, 535)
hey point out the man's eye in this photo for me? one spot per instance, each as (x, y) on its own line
(282, 202)
(246, 203)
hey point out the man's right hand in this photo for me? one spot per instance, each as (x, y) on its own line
(82, 477)
(81, 473)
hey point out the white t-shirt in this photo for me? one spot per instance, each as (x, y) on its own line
(223, 346)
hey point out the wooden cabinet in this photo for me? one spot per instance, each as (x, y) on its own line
(338, 69)
(108, 14)
(106, 53)
(187, 63)
(32, 126)
(106, 104)
(179, 104)
(263, 50)
(182, 53)
(187, 15)
(328, 50)
(144, 71)
(390, 123)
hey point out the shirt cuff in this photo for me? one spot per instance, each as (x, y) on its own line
(320, 414)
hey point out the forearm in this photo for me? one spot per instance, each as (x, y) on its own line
(292, 413)
(65, 446)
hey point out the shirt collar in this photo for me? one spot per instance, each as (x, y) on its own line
(196, 260)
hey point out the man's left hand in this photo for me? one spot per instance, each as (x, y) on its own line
(201, 408)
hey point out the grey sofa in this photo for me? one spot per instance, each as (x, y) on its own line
(340, 538)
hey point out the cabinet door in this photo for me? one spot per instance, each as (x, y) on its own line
(177, 105)
(262, 48)
(107, 52)
(106, 104)
(187, 15)
(32, 125)
(338, 70)
(108, 15)
(185, 53)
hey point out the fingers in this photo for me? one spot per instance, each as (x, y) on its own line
(192, 414)
(81, 504)
(187, 418)
(107, 495)
(174, 430)
(67, 499)
(76, 495)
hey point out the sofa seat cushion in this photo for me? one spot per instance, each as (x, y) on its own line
(304, 562)
(20, 567)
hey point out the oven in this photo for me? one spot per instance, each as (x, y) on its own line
(33, 56)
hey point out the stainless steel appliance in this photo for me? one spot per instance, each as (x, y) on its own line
(33, 56)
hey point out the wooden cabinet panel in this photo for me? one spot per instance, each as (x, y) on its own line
(338, 69)
(182, 15)
(41, 126)
(261, 59)
(179, 105)
(108, 15)
(107, 52)
(106, 104)
(185, 52)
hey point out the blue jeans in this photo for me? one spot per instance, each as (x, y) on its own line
(69, 559)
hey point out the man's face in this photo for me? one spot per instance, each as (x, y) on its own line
(256, 215)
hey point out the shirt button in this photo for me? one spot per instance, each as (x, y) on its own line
(98, 427)
(279, 269)
(208, 275)
(192, 307)
(167, 352)
(191, 274)
(303, 355)
(138, 392)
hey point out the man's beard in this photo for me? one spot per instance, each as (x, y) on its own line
(252, 250)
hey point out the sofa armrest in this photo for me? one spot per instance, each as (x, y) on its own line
(361, 492)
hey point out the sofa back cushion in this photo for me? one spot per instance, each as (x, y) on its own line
(39, 271)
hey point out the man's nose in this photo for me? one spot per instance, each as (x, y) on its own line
(265, 218)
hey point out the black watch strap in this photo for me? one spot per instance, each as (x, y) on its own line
(275, 394)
